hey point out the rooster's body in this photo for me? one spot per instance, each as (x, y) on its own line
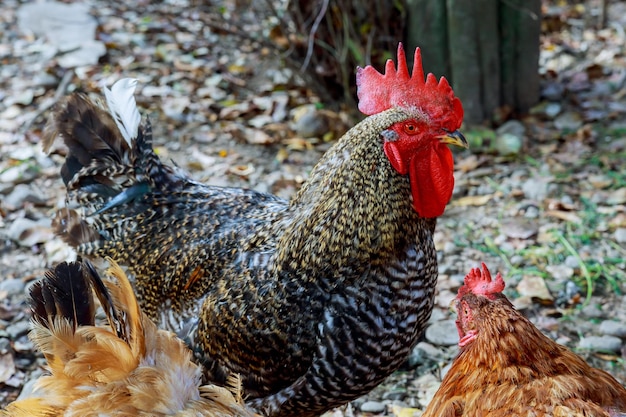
(507, 367)
(313, 301)
(128, 368)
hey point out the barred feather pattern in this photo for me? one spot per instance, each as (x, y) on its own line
(313, 301)
(126, 368)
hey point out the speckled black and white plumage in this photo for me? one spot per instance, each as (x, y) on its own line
(313, 301)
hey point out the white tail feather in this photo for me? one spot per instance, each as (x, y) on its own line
(121, 101)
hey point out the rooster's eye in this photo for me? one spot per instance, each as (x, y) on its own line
(410, 128)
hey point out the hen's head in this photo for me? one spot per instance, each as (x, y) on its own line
(417, 146)
(477, 283)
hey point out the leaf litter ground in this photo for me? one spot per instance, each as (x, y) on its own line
(541, 199)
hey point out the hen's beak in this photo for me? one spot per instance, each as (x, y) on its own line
(454, 138)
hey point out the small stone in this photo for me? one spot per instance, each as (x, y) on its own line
(309, 122)
(601, 343)
(613, 328)
(443, 333)
(620, 235)
(22, 173)
(24, 97)
(445, 297)
(552, 110)
(374, 407)
(532, 212)
(28, 232)
(12, 286)
(514, 127)
(572, 262)
(553, 91)
(426, 384)
(569, 121)
(536, 188)
(21, 194)
(18, 328)
(449, 247)
(429, 351)
(517, 260)
(568, 292)
(592, 311)
(519, 228)
(546, 109)
(510, 138)
(395, 395)
(508, 144)
(5, 345)
(560, 272)
(617, 197)
(534, 287)
(27, 390)
(7, 366)
(43, 79)
(437, 315)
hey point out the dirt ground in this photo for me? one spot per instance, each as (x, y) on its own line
(542, 199)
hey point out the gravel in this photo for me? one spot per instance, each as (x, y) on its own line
(601, 343)
(443, 333)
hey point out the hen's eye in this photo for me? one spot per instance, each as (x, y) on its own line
(410, 128)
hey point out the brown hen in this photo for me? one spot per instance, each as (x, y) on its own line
(507, 367)
(128, 368)
(313, 301)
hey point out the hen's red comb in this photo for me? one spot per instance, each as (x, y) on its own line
(480, 283)
(378, 92)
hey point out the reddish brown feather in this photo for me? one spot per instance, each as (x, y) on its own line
(73, 229)
(511, 368)
(135, 369)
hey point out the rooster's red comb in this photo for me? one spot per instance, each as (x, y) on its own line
(479, 282)
(396, 88)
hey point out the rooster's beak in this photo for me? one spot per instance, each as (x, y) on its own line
(454, 138)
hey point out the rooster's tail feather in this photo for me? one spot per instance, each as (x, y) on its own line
(110, 163)
(63, 292)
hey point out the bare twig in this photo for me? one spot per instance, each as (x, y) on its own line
(316, 24)
(60, 92)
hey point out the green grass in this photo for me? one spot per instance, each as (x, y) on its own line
(569, 240)
(601, 260)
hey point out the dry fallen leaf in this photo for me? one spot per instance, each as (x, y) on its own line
(468, 163)
(298, 144)
(399, 411)
(7, 366)
(519, 228)
(534, 287)
(617, 197)
(259, 137)
(242, 170)
(567, 216)
(472, 200)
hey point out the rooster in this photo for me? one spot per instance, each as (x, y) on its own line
(313, 301)
(507, 367)
(126, 369)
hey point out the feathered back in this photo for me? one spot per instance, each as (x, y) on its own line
(109, 161)
(126, 368)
